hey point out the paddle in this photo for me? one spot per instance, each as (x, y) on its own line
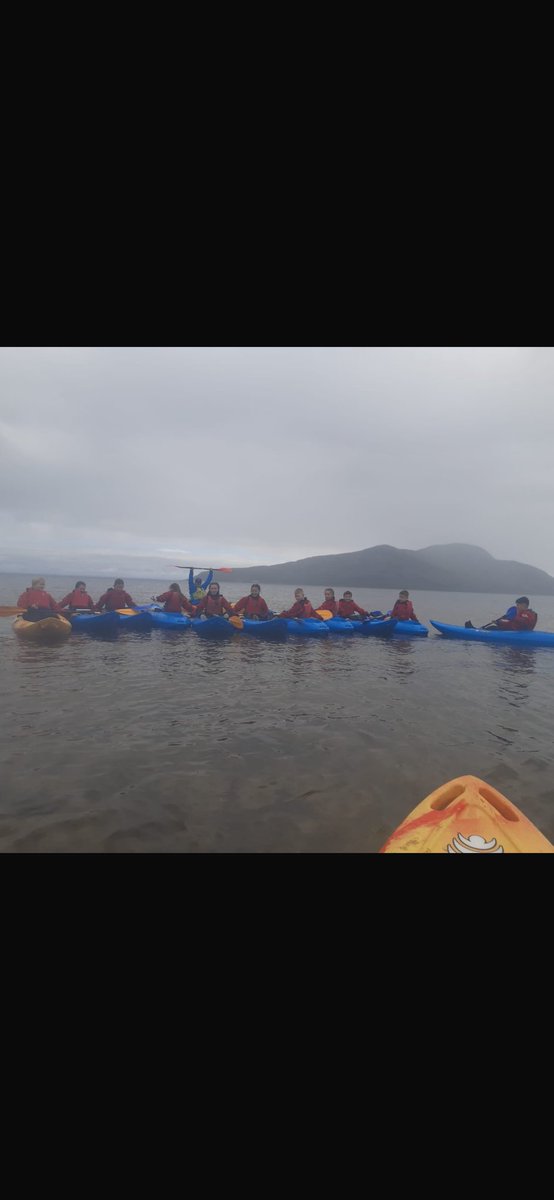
(182, 568)
(236, 621)
(11, 610)
(324, 614)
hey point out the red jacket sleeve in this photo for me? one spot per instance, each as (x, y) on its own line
(200, 607)
(359, 610)
(265, 610)
(129, 602)
(228, 607)
(188, 607)
(102, 600)
(239, 604)
(65, 601)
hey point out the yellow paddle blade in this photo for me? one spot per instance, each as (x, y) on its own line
(126, 612)
(237, 622)
(10, 610)
(324, 614)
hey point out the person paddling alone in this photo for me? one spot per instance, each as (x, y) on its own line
(78, 598)
(214, 604)
(519, 617)
(301, 607)
(37, 602)
(253, 606)
(174, 601)
(115, 597)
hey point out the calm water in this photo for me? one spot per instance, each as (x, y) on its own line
(162, 741)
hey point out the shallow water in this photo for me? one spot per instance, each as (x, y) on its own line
(163, 741)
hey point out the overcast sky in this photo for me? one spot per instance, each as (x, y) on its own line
(134, 459)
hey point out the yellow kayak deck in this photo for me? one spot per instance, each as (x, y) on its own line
(51, 629)
(467, 816)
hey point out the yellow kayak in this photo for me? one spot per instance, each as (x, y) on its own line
(467, 816)
(51, 629)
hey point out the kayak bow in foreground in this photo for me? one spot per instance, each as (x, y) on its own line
(467, 816)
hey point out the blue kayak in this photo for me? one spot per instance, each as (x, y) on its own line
(138, 621)
(411, 629)
(382, 629)
(88, 622)
(502, 637)
(341, 625)
(275, 630)
(165, 620)
(306, 626)
(213, 627)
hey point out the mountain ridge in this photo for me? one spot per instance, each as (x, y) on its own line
(448, 567)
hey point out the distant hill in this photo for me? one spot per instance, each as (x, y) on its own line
(450, 568)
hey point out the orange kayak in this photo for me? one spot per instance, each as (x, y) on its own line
(467, 816)
(51, 629)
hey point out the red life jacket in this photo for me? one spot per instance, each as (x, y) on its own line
(526, 621)
(329, 606)
(403, 610)
(301, 608)
(117, 598)
(213, 606)
(76, 599)
(37, 597)
(174, 602)
(254, 606)
(347, 607)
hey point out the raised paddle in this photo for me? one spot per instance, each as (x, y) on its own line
(182, 568)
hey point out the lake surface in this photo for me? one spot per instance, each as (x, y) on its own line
(165, 742)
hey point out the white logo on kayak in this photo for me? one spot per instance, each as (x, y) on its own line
(474, 845)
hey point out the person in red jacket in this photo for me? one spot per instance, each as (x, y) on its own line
(214, 604)
(347, 607)
(329, 603)
(78, 598)
(300, 608)
(173, 601)
(403, 609)
(519, 618)
(253, 606)
(37, 602)
(115, 597)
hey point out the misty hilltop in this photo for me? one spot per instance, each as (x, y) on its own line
(454, 567)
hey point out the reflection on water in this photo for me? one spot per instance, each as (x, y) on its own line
(402, 656)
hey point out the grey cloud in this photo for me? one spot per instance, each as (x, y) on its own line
(257, 455)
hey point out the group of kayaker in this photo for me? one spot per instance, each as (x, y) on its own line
(38, 604)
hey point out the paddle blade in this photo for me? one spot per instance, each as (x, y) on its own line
(126, 612)
(10, 610)
(237, 622)
(324, 614)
